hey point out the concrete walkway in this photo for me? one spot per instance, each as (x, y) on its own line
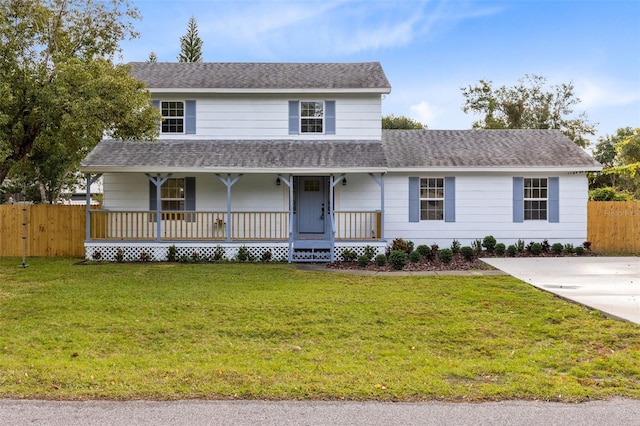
(608, 284)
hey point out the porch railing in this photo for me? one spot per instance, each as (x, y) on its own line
(198, 226)
(358, 225)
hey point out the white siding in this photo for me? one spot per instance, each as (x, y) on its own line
(267, 116)
(484, 207)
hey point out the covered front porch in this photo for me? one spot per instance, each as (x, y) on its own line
(315, 223)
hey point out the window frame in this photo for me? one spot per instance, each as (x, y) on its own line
(171, 213)
(167, 117)
(438, 199)
(532, 198)
(321, 119)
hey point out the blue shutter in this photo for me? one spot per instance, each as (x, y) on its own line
(190, 197)
(553, 204)
(414, 199)
(294, 117)
(518, 199)
(450, 199)
(330, 117)
(190, 117)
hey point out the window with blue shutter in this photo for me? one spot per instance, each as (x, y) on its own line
(176, 194)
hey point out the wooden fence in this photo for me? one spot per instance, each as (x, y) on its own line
(52, 230)
(55, 230)
(614, 226)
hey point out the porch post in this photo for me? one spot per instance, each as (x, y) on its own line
(289, 182)
(380, 182)
(90, 180)
(332, 185)
(158, 182)
(228, 182)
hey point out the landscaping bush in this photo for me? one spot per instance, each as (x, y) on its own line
(587, 245)
(557, 248)
(414, 256)
(520, 246)
(569, 249)
(363, 260)
(579, 250)
(434, 251)
(398, 259)
(381, 260)
(477, 246)
(455, 246)
(400, 244)
(172, 254)
(266, 256)
(349, 255)
(218, 254)
(370, 252)
(445, 256)
(512, 250)
(535, 249)
(424, 250)
(546, 246)
(120, 255)
(500, 249)
(467, 253)
(489, 243)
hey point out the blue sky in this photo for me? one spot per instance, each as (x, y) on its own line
(428, 49)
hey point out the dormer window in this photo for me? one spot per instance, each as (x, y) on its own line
(172, 116)
(311, 117)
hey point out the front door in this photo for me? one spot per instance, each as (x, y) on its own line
(311, 204)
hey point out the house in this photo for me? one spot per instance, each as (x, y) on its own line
(289, 160)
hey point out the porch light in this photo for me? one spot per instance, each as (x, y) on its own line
(344, 182)
(278, 181)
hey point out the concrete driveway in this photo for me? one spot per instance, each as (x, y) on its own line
(608, 284)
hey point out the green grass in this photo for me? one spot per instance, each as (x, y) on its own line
(174, 331)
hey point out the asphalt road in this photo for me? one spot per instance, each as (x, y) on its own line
(619, 412)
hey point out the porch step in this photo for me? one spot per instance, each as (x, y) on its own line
(311, 251)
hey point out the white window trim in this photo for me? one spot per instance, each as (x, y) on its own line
(525, 198)
(323, 118)
(183, 117)
(421, 198)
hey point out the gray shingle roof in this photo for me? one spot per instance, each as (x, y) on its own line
(214, 75)
(409, 149)
(237, 154)
(482, 148)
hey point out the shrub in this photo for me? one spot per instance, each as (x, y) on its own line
(349, 255)
(609, 194)
(546, 246)
(409, 246)
(424, 250)
(172, 254)
(455, 246)
(467, 253)
(477, 246)
(557, 248)
(363, 260)
(579, 250)
(370, 252)
(400, 244)
(445, 255)
(535, 249)
(489, 243)
(569, 249)
(381, 260)
(434, 250)
(520, 246)
(398, 259)
(96, 255)
(500, 249)
(266, 256)
(587, 245)
(243, 254)
(120, 255)
(195, 256)
(414, 256)
(512, 250)
(144, 256)
(218, 254)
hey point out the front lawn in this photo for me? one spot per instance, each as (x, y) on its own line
(175, 331)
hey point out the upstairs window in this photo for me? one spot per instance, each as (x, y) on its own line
(432, 199)
(172, 116)
(535, 198)
(311, 117)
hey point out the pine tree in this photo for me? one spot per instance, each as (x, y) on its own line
(191, 44)
(152, 57)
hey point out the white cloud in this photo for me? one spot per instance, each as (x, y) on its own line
(423, 112)
(601, 94)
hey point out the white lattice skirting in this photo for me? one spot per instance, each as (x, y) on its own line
(109, 251)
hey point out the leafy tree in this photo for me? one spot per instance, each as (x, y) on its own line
(191, 44)
(401, 122)
(620, 156)
(152, 57)
(60, 92)
(530, 104)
